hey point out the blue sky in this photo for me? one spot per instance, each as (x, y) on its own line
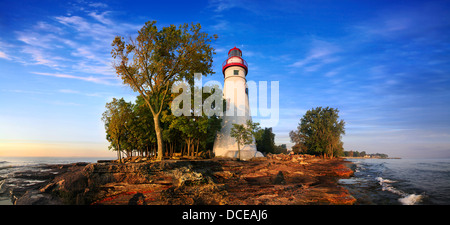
(384, 64)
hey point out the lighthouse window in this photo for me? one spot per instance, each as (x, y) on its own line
(234, 53)
(236, 72)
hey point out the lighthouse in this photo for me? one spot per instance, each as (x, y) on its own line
(235, 92)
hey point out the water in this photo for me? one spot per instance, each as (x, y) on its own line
(12, 166)
(400, 181)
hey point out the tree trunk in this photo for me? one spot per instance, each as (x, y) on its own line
(189, 144)
(158, 137)
(118, 154)
(198, 144)
(239, 150)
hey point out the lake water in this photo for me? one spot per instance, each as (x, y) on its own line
(400, 181)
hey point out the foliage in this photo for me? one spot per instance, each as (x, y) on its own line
(129, 129)
(281, 149)
(155, 59)
(118, 119)
(244, 134)
(319, 133)
(265, 140)
(352, 153)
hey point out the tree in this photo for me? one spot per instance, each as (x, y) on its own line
(244, 134)
(117, 119)
(265, 140)
(158, 59)
(197, 130)
(319, 132)
(144, 128)
(281, 149)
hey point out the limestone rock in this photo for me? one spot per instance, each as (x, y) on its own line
(279, 179)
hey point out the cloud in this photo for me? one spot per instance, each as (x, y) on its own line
(98, 5)
(70, 91)
(25, 91)
(103, 32)
(45, 26)
(3, 55)
(40, 57)
(63, 103)
(334, 71)
(99, 80)
(320, 54)
(256, 7)
(221, 5)
(414, 21)
(36, 40)
(79, 44)
(221, 25)
(101, 17)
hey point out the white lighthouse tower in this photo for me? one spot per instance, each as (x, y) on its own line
(235, 93)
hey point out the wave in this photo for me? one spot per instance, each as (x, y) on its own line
(411, 199)
(2, 182)
(3, 161)
(406, 199)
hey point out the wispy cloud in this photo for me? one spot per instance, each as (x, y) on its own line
(321, 53)
(98, 5)
(334, 71)
(70, 91)
(40, 57)
(101, 17)
(25, 91)
(62, 103)
(407, 21)
(99, 80)
(79, 44)
(3, 55)
(221, 5)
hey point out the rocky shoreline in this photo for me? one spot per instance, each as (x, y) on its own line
(271, 180)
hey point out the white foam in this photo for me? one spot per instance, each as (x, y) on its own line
(406, 199)
(385, 186)
(383, 181)
(411, 199)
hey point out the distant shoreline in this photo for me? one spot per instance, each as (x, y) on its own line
(348, 157)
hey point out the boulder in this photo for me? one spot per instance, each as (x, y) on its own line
(279, 179)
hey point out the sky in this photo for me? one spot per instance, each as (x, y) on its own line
(384, 64)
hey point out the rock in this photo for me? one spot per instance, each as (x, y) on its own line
(34, 197)
(183, 182)
(279, 179)
(223, 174)
(104, 161)
(303, 163)
(185, 176)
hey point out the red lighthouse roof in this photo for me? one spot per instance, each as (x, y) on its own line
(234, 52)
(235, 49)
(234, 59)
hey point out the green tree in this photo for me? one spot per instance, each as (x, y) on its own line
(117, 119)
(281, 149)
(143, 128)
(196, 131)
(265, 140)
(244, 134)
(319, 132)
(152, 62)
